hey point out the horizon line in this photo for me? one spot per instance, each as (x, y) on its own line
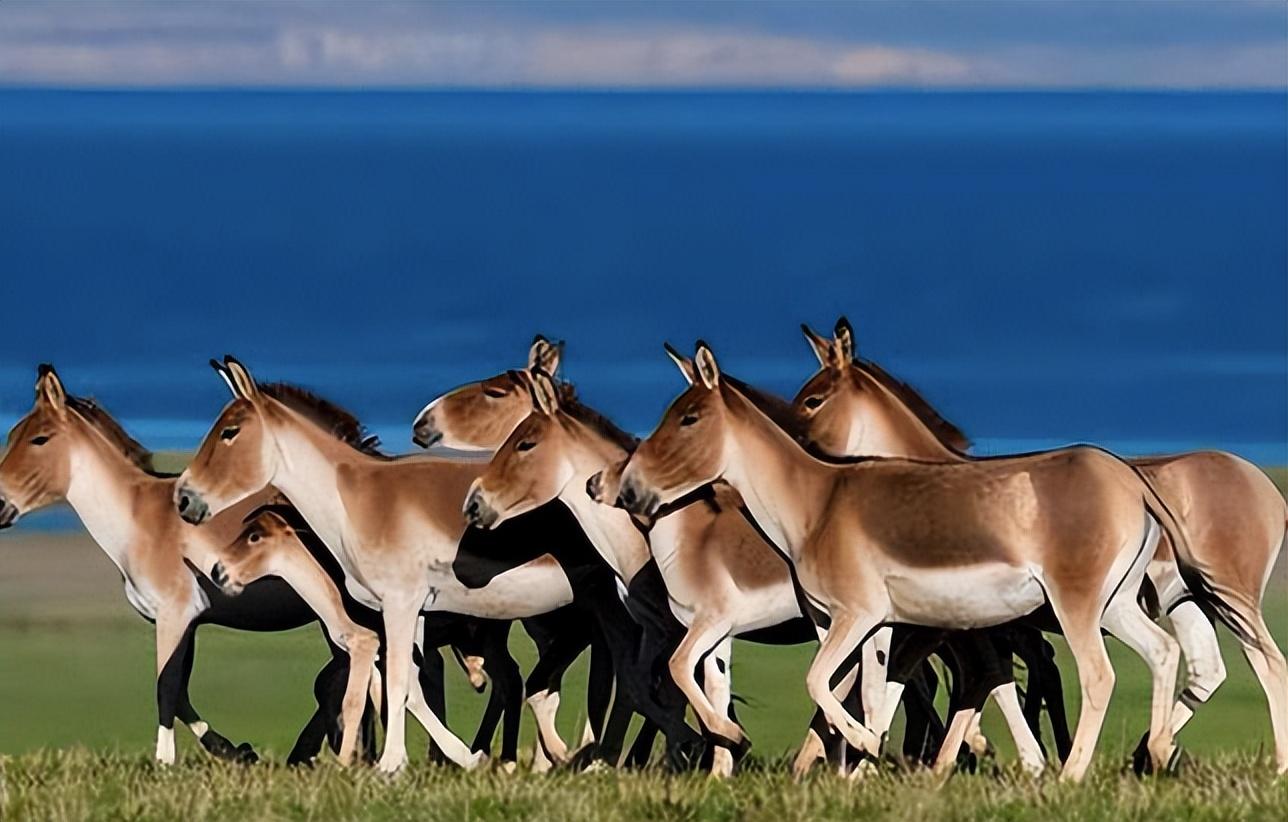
(638, 89)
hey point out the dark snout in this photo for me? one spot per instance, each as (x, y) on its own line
(635, 500)
(477, 512)
(424, 433)
(192, 508)
(595, 486)
(219, 575)
(8, 513)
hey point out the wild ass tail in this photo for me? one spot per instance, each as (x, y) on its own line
(1206, 593)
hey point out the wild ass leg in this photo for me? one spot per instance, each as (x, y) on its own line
(1126, 621)
(843, 637)
(1081, 614)
(1204, 667)
(328, 686)
(634, 651)
(1045, 687)
(1096, 679)
(174, 629)
(642, 748)
(719, 692)
(1027, 746)
(507, 687)
(703, 636)
(447, 742)
(215, 744)
(400, 637)
(542, 692)
(1032, 758)
(361, 645)
(599, 683)
(1272, 671)
(430, 684)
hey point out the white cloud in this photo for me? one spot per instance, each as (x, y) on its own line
(271, 44)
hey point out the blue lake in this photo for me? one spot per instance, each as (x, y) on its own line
(1045, 267)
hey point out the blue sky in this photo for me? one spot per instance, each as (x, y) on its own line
(1054, 44)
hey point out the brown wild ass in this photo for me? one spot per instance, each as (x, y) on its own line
(69, 448)
(1233, 516)
(978, 670)
(954, 546)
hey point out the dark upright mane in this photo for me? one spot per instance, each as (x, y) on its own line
(947, 433)
(102, 422)
(328, 416)
(776, 408)
(584, 414)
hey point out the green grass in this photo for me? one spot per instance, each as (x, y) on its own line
(80, 784)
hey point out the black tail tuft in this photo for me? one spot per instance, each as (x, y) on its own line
(1216, 607)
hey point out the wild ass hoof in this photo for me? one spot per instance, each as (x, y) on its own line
(246, 754)
(218, 746)
(582, 757)
(1141, 762)
(685, 755)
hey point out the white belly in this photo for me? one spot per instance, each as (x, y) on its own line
(971, 597)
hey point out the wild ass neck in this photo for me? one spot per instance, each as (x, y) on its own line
(101, 489)
(306, 474)
(783, 488)
(610, 530)
(888, 428)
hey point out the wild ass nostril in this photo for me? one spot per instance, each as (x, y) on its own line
(219, 575)
(595, 485)
(183, 503)
(626, 497)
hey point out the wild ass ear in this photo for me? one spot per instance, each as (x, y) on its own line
(705, 363)
(681, 362)
(844, 342)
(242, 383)
(223, 375)
(545, 395)
(49, 389)
(822, 347)
(545, 355)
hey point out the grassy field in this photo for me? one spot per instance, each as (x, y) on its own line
(76, 686)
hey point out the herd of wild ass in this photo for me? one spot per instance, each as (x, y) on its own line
(851, 516)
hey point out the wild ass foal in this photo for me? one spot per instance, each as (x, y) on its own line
(69, 448)
(953, 546)
(394, 524)
(276, 541)
(1233, 516)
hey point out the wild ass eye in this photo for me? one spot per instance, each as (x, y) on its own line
(688, 419)
(495, 393)
(229, 432)
(40, 440)
(254, 538)
(813, 402)
(526, 445)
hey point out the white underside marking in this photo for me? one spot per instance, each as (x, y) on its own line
(971, 597)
